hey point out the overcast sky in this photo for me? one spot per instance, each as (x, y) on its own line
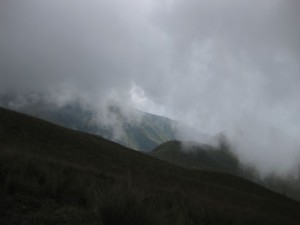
(223, 65)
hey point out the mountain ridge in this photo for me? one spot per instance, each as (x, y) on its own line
(144, 132)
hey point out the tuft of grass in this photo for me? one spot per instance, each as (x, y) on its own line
(121, 207)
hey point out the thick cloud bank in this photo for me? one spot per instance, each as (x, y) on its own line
(221, 66)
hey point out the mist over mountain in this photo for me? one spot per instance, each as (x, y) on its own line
(140, 131)
(136, 129)
(141, 74)
(155, 134)
(217, 66)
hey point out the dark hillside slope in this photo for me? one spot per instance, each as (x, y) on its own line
(220, 158)
(53, 175)
(198, 157)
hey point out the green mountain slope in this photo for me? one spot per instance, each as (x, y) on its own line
(53, 175)
(144, 133)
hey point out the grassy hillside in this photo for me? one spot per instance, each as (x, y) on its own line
(53, 175)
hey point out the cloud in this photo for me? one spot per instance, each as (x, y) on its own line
(229, 66)
(236, 67)
(92, 45)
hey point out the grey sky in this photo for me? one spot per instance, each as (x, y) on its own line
(224, 65)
